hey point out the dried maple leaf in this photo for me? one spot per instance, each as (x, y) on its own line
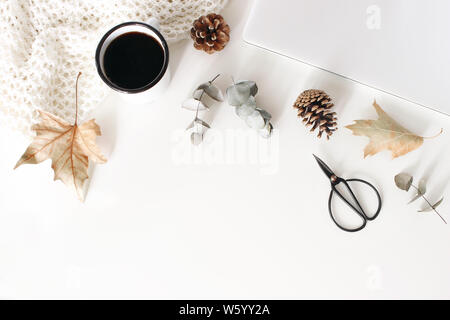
(70, 147)
(386, 134)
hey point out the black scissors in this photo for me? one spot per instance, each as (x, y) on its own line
(335, 180)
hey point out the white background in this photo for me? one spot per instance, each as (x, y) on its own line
(152, 227)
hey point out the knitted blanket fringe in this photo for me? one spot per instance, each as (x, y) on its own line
(45, 43)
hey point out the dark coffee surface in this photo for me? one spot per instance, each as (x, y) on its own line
(133, 60)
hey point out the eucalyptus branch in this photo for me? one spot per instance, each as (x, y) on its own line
(404, 182)
(428, 202)
(196, 104)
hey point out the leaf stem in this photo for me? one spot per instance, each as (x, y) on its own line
(76, 99)
(199, 101)
(431, 206)
(215, 78)
(435, 136)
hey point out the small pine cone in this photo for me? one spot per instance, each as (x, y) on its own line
(210, 33)
(314, 106)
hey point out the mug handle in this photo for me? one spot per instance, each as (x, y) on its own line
(154, 23)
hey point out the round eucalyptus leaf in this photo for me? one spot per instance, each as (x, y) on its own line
(201, 123)
(422, 186)
(198, 94)
(247, 108)
(196, 138)
(266, 131)
(213, 92)
(238, 94)
(251, 84)
(255, 120)
(191, 125)
(417, 196)
(403, 181)
(437, 204)
(264, 114)
(244, 111)
(251, 102)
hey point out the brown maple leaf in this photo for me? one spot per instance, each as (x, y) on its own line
(70, 147)
(386, 134)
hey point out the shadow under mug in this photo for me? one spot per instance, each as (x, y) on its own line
(155, 88)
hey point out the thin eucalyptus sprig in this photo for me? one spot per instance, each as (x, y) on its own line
(404, 181)
(196, 104)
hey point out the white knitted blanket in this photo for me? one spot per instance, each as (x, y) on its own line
(45, 43)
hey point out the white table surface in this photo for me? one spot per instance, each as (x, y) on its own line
(162, 220)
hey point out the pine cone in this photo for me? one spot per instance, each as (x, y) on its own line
(314, 107)
(210, 33)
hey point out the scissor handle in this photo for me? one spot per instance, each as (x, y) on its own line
(359, 210)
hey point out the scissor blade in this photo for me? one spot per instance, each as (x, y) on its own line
(328, 172)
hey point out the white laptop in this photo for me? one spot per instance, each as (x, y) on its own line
(398, 46)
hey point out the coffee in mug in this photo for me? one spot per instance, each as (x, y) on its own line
(132, 58)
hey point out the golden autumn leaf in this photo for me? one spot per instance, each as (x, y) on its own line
(386, 134)
(70, 147)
